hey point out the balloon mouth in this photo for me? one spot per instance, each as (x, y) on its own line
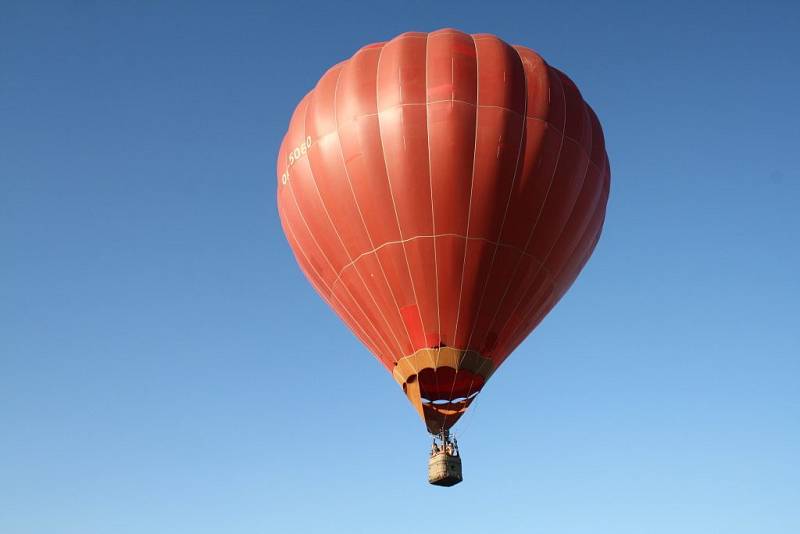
(441, 383)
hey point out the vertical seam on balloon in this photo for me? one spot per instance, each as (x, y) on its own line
(327, 260)
(375, 334)
(586, 230)
(511, 188)
(371, 343)
(508, 203)
(539, 215)
(341, 241)
(576, 269)
(542, 265)
(469, 205)
(433, 220)
(322, 250)
(527, 243)
(360, 214)
(322, 285)
(368, 340)
(556, 296)
(391, 191)
(471, 184)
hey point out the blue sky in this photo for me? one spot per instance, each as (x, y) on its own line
(146, 289)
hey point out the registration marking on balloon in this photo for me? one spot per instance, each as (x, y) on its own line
(294, 155)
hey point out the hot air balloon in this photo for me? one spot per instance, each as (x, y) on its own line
(441, 191)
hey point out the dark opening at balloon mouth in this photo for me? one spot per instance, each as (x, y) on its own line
(438, 385)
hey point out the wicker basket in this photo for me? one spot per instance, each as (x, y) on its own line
(444, 469)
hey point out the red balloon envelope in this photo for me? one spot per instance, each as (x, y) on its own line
(441, 192)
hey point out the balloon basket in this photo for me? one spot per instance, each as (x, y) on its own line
(444, 464)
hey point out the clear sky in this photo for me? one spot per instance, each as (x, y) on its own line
(165, 368)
